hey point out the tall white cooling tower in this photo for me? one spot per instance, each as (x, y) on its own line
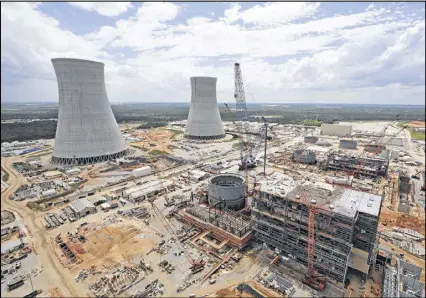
(87, 131)
(204, 122)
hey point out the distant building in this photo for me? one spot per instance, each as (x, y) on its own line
(336, 130)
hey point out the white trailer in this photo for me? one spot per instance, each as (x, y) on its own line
(140, 172)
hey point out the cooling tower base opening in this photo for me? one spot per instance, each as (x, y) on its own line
(205, 138)
(87, 160)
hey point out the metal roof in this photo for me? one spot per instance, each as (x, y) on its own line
(81, 204)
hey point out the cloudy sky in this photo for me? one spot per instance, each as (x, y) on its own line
(289, 52)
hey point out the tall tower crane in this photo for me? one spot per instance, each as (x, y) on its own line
(312, 278)
(249, 142)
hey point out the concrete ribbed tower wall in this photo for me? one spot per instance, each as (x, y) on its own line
(87, 131)
(204, 122)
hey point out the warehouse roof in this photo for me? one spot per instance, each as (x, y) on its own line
(147, 188)
(81, 204)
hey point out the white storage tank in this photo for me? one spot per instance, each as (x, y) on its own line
(140, 172)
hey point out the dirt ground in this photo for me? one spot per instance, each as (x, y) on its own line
(109, 246)
(160, 137)
(417, 124)
(396, 219)
(233, 292)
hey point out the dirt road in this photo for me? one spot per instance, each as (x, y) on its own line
(51, 270)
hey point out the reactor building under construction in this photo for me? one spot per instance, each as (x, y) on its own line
(87, 131)
(204, 122)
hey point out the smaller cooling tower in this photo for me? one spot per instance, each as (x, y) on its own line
(204, 122)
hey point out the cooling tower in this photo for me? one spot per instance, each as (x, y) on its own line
(204, 122)
(86, 131)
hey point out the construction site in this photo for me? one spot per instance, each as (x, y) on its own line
(192, 210)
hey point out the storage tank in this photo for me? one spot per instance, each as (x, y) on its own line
(140, 172)
(229, 188)
(310, 139)
(347, 144)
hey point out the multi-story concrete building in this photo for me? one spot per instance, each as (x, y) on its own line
(204, 122)
(345, 229)
(86, 131)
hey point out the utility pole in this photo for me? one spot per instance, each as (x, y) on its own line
(266, 144)
(31, 281)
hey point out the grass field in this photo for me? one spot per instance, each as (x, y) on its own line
(311, 122)
(417, 135)
(157, 152)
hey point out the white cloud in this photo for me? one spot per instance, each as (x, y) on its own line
(278, 12)
(370, 7)
(109, 9)
(292, 57)
(270, 14)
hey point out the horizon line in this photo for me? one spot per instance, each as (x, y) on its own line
(186, 102)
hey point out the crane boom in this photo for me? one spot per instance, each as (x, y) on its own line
(249, 142)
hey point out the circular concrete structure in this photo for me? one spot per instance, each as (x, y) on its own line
(87, 131)
(229, 188)
(204, 122)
